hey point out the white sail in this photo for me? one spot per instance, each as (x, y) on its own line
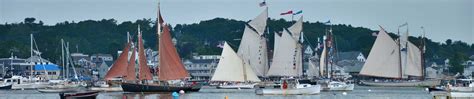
(322, 61)
(383, 59)
(312, 68)
(284, 57)
(296, 28)
(413, 67)
(232, 68)
(253, 47)
(260, 22)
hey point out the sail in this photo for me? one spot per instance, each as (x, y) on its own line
(232, 68)
(284, 58)
(253, 51)
(131, 73)
(403, 53)
(144, 70)
(322, 61)
(170, 67)
(312, 68)
(119, 67)
(383, 59)
(413, 67)
(260, 22)
(297, 28)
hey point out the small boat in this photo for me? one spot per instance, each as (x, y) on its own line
(79, 95)
(6, 86)
(61, 90)
(339, 86)
(291, 87)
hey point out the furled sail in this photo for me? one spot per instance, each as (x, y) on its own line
(414, 67)
(144, 70)
(383, 59)
(119, 67)
(170, 67)
(232, 68)
(253, 46)
(131, 73)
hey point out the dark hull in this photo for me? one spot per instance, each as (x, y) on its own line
(131, 87)
(6, 87)
(79, 95)
(435, 89)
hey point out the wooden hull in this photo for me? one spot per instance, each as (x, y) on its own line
(238, 86)
(316, 89)
(80, 95)
(131, 87)
(425, 83)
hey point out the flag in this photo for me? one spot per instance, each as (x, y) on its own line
(262, 4)
(299, 12)
(285, 13)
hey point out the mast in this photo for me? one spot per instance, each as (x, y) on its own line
(422, 50)
(62, 58)
(31, 55)
(399, 55)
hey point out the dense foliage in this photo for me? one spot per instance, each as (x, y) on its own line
(108, 36)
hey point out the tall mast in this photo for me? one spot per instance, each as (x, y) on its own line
(422, 50)
(31, 56)
(62, 58)
(399, 55)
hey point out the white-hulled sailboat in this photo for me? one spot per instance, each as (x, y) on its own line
(234, 71)
(287, 63)
(388, 60)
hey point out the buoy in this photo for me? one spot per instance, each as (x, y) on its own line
(369, 90)
(226, 97)
(426, 89)
(181, 92)
(175, 94)
(344, 93)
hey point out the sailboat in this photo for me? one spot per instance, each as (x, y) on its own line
(385, 60)
(231, 68)
(171, 72)
(287, 63)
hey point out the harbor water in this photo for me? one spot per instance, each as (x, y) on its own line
(360, 92)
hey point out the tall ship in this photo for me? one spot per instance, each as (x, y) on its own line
(395, 63)
(172, 75)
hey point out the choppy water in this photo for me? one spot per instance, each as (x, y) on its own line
(360, 92)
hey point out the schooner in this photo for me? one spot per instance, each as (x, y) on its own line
(398, 60)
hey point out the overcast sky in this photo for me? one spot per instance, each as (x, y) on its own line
(442, 19)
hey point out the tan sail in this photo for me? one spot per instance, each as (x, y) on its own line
(414, 67)
(296, 28)
(170, 67)
(119, 67)
(232, 68)
(383, 59)
(131, 73)
(284, 57)
(144, 70)
(253, 47)
(312, 68)
(322, 61)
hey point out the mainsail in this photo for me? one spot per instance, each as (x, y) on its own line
(232, 68)
(322, 61)
(170, 67)
(414, 67)
(253, 47)
(284, 57)
(119, 67)
(384, 58)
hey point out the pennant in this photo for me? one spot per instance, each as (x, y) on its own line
(285, 13)
(299, 12)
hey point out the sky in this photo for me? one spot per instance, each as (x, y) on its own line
(442, 19)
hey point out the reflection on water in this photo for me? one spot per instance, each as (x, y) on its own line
(360, 92)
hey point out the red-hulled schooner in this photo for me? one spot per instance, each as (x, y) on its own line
(172, 75)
